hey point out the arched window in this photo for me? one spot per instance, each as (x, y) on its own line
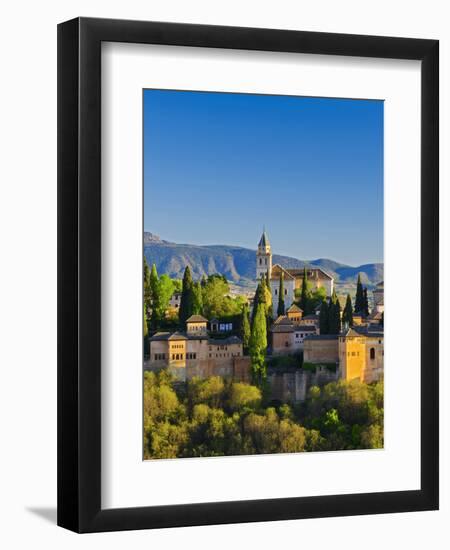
(372, 353)
(265, 261)
(260, 261)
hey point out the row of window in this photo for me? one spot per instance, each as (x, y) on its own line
(160, 356)
(237, 354)
(177, 346)
(356, 353)
(191, 356)
(265, 261)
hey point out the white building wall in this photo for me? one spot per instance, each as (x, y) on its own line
(288, 293)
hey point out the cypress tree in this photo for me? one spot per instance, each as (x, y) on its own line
(324, 322)
(245, 328)
(305, 297)
(365, 302)
(147, 288)
(347, 316)
(155, 294)
(197, 299)
(334, 314)
(258, 345)
(260, 297)
(145, 324)
(280, 310)
(268, 295)
(187, 297)
(359, 299)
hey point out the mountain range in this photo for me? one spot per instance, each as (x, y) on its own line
(238, 264)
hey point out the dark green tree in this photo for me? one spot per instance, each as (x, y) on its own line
(187, 297)
(359, 299)
(258, 345)
(280, 310)
(324, 319)
(347, 315)
(245, 331)
(197, 301)
(260, 297)
(145, 325)
(156, 302)
(365, 302)
(305, 297)
(334, 314)
(147, 288)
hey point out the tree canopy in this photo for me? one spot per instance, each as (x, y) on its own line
(217, 417)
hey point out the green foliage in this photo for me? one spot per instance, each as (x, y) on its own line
(285, 361)
(258, 345)
(214, 417)
(155, 297)
(216, 301)
(245, 330)
(305, 302)
(324, 319)
(166, 290)
(197, 303)
(147, 289)
(260, 297)
(314, 366)
(347, 315)
(280, 310)
(359, 299)
(187, 297)
(209, 391)
(334, 315)
(145, 324)
(243, 396)
(365, 302)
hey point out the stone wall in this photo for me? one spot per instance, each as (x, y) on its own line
(293, 385)
(321, 350)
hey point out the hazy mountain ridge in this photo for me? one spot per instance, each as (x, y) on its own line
(238, 264)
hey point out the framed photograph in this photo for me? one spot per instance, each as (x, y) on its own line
(237, 209)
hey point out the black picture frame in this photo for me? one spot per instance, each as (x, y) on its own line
(79, 274)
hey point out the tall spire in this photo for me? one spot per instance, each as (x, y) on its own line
(264, 241)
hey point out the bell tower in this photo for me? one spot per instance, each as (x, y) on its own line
(263, 257)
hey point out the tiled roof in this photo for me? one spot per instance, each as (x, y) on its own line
(351, 332)
(305, 328)
(283, 320)
(196, 319)
(322, 337)
(274, 276)
(224, 341)
(294, 309)
(298, 272)
(168, 336)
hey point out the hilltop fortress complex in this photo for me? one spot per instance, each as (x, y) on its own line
(213, 347)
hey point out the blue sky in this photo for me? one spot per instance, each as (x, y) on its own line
(217, 167)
